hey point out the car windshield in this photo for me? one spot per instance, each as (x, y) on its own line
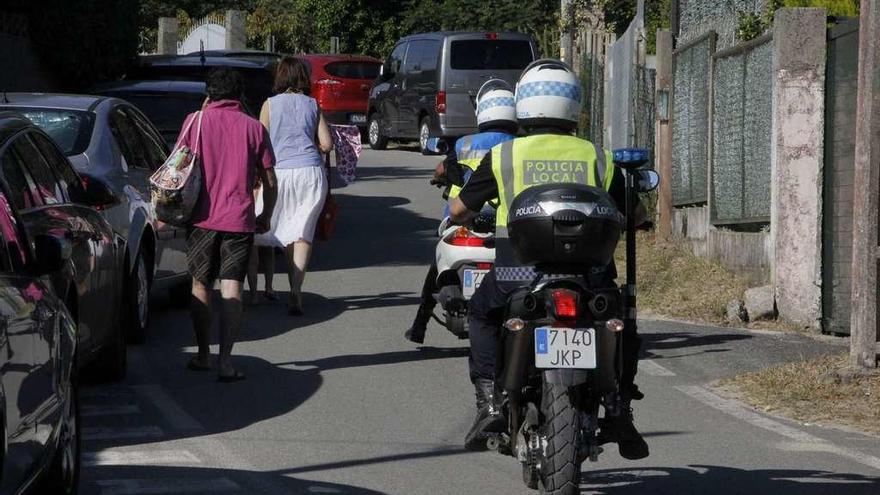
(354, 70)
(70, 129)
(490, 54)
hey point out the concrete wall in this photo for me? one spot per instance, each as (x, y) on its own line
(746, 254)
(236, 35)
(797, 143)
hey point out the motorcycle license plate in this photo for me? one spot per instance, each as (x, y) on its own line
(565, 348)
(471, 280)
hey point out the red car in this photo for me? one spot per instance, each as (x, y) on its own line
(341, 84)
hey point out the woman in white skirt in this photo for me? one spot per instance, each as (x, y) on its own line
(299, 135)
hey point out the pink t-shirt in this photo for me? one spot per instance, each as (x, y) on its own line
(233, 146)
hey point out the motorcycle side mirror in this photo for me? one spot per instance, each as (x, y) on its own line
(630, 158)
(435, 146)
(647, 180)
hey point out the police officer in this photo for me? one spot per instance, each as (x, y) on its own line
(496, 120)
(548, 106)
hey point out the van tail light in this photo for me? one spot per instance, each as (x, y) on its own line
(328, 82)
(441, 102)
(564, 304)
(463, 237)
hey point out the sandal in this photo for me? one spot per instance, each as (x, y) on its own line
(194, 365)
(236, 376)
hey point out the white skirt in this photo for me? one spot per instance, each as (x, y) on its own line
(301, 194)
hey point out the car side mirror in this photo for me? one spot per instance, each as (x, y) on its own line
(50, 253)
(647, 180)
(436, 146)
(97, 193)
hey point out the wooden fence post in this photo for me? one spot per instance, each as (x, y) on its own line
(864, 329)
(663, 133)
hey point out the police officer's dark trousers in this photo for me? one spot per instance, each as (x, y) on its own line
(485, 317)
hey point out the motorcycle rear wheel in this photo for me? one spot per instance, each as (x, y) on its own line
(560, 469)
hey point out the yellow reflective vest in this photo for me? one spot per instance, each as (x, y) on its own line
(541, 159)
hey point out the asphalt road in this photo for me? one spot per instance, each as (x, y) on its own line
(338, 402)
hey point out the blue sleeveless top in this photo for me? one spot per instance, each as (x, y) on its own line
(293, 125)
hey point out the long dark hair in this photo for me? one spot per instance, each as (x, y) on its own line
(292, 75)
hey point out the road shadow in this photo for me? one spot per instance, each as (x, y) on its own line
(376, 231)
(653, 344)
(720, 480)
(163, 479)
(391, 173)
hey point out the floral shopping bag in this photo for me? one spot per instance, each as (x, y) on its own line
(175, 187)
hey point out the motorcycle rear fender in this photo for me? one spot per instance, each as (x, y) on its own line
(566, 377)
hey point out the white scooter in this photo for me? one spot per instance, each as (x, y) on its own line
(464, 256)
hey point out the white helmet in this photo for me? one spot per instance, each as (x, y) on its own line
(548, 94)
(496, 105)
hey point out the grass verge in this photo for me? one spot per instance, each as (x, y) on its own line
(673, 282)
(808, 391)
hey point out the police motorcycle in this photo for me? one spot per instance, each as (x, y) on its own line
(563, 340)
(464, 255)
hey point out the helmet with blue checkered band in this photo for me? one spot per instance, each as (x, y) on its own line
(495, 105)
(548, 94)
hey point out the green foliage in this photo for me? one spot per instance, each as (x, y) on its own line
(84, 41)
(752, 24)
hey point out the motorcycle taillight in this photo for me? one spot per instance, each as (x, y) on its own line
(564, 304)
(465, 238)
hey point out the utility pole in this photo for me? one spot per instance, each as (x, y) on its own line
(863, 323)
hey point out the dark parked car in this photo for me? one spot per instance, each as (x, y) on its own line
(165, 103)
(429, 83)
(258, 73)
(341, 84)
(109, 139)
(56, 205)
(39, 413)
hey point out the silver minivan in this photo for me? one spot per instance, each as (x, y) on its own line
(429, 83)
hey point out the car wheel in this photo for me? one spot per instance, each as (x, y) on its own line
(374, 133)
(62, 477)
(424, 134)
(139, 300)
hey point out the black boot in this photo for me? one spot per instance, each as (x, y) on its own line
(416, 333)
(489, 419)
(620, 428)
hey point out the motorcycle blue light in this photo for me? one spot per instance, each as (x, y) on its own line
(630, 155)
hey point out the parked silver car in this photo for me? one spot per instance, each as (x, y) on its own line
(110, 139)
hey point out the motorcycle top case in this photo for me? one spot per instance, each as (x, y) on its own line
(564, 224)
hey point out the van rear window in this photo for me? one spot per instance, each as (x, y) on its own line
(490, 54)
(353, 70)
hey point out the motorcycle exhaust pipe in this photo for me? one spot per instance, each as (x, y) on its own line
(518, 354)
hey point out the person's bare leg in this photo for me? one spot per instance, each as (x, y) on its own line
(200, 310)
(267, 259)
(298, 255)
(253, 274)
(230, 291)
